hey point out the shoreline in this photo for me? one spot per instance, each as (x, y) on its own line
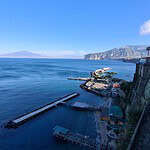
(102, 84)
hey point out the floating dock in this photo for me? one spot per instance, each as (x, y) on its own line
(75, 138)
(80, 79)
(23, 118)
(84, 106)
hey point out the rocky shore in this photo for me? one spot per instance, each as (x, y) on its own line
(103, 84)
(103, 89)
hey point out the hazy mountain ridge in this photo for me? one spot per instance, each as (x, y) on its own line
(129, 51)
(22, 54)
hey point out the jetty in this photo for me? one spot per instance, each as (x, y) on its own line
(84, 106)
(75, 138)
(23, 118)
(80, 79)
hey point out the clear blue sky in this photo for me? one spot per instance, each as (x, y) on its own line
(71, 27)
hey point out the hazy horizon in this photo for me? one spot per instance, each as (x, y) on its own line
(72, 28)
(37, 54)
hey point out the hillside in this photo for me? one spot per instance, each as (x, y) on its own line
(119, 53)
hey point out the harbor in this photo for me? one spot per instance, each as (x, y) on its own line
(23, 118)
(109, 118)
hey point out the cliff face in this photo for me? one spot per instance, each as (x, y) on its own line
(141, 83)
(141, 97)
(119, 53)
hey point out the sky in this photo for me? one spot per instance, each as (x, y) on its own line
(72, 28)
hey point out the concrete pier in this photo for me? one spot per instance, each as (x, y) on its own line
(80, 79)
(21, 119)
(75, 138)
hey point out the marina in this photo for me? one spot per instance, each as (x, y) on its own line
(75, 138)
(21, 119)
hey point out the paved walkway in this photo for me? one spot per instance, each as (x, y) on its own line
(101, 127)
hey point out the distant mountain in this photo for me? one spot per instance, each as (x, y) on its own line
(22, 54)
(128, 52)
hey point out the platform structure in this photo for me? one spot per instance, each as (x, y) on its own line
(23, 118)
(84, 106)
(64, 134)
(79, 78)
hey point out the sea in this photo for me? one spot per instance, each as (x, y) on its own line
(26, 84)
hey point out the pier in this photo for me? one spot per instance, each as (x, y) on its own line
(23, 118)
(85, 106)
(75, 138)
(80, 79)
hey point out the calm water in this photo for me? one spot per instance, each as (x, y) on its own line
(26, 84)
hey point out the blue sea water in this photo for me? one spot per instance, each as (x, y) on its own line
(26, 84)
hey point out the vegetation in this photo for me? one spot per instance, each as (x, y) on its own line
(133, 113)
(126, 87)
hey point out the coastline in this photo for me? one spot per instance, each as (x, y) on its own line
(99, 84)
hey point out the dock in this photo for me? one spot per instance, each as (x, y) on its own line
(85, 106)
(64, 134)
(23, 118)
(79, 78)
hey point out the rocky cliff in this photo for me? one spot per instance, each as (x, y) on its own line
(119, 53)
(140, 100)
